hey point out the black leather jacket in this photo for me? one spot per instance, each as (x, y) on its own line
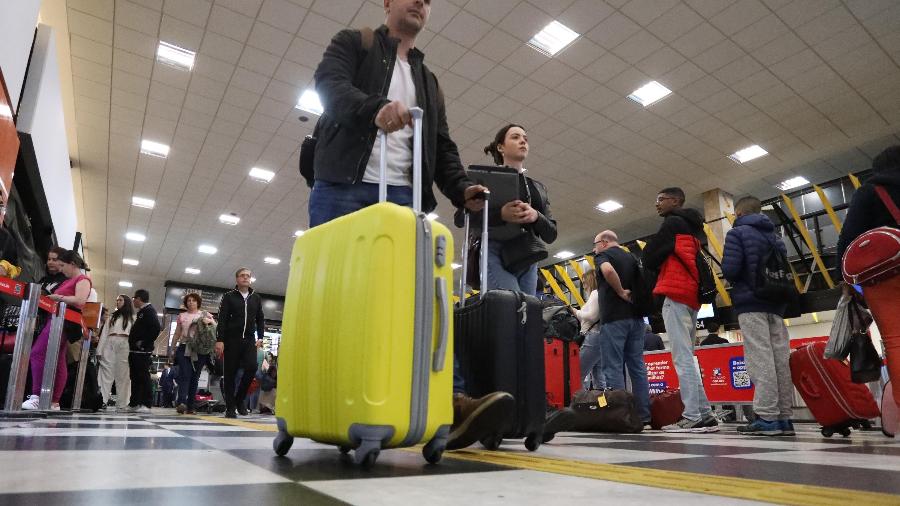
(352, 84)
(239, 317)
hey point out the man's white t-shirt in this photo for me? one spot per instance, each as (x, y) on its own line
(399, 143)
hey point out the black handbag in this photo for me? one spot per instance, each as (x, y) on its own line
(865, 363)
(605, 411)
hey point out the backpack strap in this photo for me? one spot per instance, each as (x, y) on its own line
(888, 202)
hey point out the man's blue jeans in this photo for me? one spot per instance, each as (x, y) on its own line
(623, 345)
(328, 201)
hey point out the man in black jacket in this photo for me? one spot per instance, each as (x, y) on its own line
(141, 338)
(241, 322)
(368, 82)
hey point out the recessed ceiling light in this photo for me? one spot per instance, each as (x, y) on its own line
(191, 270)
(309, 102)
(553, 38)
(126, 284)
(455, 265)
(136, 237)
(261, 174)
(649, 93)
(142, 202)
(272, 260)
(609, 206)
(154, 149)
(229, 219)
(174, 55)
(749, 153)
(432, 216)
(790, 184)
(207, 249)
(563, 255)
(299, 233)
(130, 261)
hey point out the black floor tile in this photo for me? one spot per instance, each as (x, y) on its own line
(31, 443)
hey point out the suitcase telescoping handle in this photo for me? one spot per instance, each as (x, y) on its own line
(416, 113)
(482, 260)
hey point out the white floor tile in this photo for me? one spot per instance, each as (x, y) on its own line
(858, 460)
(85, 432)
(37, 471)
(507, 487)
(216, 428)
(89, 422)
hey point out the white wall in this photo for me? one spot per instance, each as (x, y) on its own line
(41, 115)
(17, 21)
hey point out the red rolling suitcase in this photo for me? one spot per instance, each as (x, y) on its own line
(562, 371)
(837, 403)
(665, 408)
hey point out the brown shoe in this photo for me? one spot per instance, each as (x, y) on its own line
(181, 409)
(476, 419)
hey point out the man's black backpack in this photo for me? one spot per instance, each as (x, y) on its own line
(774, 279)
(706, 281)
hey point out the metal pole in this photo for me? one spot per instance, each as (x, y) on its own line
(82, 369)
(15, 391)
(52, 359)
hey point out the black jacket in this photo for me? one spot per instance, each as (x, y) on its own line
(866, 209)
(352, 84)
(50, 282)
(240, 317)
(144, 330)
(684, 221)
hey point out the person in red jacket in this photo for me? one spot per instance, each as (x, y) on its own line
(672, 253)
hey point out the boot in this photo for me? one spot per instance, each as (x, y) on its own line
(476, 419)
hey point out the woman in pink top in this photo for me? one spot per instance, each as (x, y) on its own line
(74, 291)
(189, 362)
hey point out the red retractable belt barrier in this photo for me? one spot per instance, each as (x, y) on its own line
(17, 289)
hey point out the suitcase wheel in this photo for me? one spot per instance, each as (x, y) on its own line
(282, 443)
(432, 455)
(845, 432)
(366, 458)
(533, 442)
(434, 449)
(492, 442)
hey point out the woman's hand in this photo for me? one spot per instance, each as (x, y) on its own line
(516, 211)
(529, 215)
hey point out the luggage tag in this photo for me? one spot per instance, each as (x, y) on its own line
(601, 401)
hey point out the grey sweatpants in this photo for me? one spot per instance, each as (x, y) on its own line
(767, 351)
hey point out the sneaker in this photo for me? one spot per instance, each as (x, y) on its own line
(761, 427)
(686, 425)
(476, 419)
(242, 410)
(32, 403)
(787, 428)
(229, 413)
(126, 409)
(180, 409)
(710, 423)
(142, 409)
(54, 406)
(558, 421)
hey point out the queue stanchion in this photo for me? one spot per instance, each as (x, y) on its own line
(82, 369)
(15, 391)
(52, 359)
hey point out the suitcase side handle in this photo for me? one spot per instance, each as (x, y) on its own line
(440, 352)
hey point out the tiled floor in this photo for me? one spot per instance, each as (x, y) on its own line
(104, 459)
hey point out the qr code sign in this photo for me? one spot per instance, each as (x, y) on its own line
(741, 379)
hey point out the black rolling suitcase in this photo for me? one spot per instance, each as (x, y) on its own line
(500, 347)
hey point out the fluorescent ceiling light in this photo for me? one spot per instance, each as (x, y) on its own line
(174, 55)
(130, 261)
(126, 284)
(432, 216)
(191, 270)
(154, 149)
(142, 202)
(229, 219)
(207, 249)
(309, 102)
(272, 260)
(749, 153)
(455, 266)
(790, 184)
(563, 255)
(134, 236)
(609, 206)
(261, 174)
(299, 233)
(5, 111)
(553, 38)
(649, 93)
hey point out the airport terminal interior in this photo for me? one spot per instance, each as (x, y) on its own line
(153, 146)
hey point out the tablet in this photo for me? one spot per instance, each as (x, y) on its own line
(503, 182)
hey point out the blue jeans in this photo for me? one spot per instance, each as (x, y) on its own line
(501, 279)
(681, 325)
(591, 360)
(328, 201)
(185, 371)
(623, 345)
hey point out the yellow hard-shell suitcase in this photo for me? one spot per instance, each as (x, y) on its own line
(365, 360)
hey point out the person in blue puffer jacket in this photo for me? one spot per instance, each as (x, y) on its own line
(766, 341)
